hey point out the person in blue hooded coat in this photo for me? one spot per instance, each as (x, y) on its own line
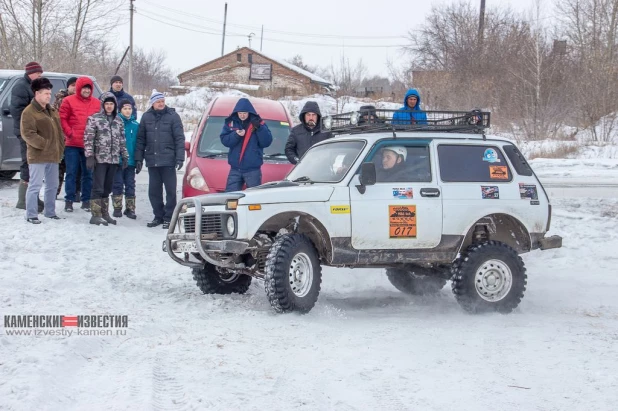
(411, 112)
(246, 135)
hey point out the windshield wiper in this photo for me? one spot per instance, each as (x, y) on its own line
(274, 155)
(303, 179)
(214, 155)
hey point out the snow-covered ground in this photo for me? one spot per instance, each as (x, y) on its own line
(365, 346)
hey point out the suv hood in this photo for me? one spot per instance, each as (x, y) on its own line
(287, 193)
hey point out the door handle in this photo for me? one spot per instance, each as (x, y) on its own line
(430, 192)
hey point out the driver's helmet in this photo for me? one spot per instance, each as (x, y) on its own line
(400, 150)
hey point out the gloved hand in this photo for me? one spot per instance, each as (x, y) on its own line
(296, 160)
(256, 121)
(179, 164)
(90, 162)
(138, 166)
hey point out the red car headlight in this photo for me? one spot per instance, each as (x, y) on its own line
(196, 180)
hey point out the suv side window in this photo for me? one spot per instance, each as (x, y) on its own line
(58, 84)
(518, 160)
(466, 163)
(402, 162)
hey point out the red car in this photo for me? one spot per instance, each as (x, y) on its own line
(207, 166)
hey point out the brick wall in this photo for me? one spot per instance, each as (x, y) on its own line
(229, 70)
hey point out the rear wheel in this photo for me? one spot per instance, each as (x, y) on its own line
(211, 281)
(7, 175)
(489, 277)
(417, 281)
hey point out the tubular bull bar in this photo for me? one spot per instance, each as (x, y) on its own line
(202, 246)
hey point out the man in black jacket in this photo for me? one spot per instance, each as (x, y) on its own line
(161, 141)
(304, 135)
(21, 97)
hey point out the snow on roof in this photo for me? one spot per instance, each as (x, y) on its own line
(313, 77)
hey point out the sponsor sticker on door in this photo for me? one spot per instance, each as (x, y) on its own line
(402, 221)
(498, 172)
(341, 209)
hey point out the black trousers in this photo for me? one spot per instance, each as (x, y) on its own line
(103, 180)
(157, 178)
(24, 171)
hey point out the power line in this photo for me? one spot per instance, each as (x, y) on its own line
(218, 22)
(192, 28)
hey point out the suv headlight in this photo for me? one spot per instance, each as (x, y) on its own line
(196, 180)
(230, 225)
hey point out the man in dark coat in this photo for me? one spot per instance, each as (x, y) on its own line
(304, 135)
(21, 97)
(116, 88)
(161, 142)
(246, 135)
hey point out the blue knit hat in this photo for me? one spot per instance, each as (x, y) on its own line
(156, 95)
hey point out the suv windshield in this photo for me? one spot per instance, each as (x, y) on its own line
(327, 163)
(3, 82)
(210, 143)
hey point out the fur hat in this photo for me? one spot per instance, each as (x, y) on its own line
(155, 96)
(115, 79)
(33, 67)
(40, 84)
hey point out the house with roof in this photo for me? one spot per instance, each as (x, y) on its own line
(255, 70)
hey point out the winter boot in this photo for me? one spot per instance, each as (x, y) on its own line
(86, 205)
(154, 223)
(105, 211)
(130, 207)
(96, 213)
(68, 206)
(117, 202)
(21, 195)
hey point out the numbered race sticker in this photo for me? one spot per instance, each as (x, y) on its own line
(402, 221)
(498, 172)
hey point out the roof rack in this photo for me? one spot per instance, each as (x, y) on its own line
(380, 120)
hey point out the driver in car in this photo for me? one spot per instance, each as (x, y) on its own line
(393, 165)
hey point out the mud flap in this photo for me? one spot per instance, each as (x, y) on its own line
(555, 241)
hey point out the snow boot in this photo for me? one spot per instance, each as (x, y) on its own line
(105, 211)
(154, 223)
(96, 213)
(117, 202)
(68, 206)
(86, 205)
(21, 195)
(130, 207)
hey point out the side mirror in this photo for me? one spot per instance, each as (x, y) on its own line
(367, 176)
(187, 146)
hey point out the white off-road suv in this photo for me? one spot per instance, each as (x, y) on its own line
(431, 201)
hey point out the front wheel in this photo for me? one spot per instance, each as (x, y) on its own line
(211, 281)
(489, 277)
(293, 274)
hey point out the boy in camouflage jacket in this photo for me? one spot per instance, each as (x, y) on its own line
(104, 145)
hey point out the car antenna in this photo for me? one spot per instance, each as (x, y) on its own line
(393, 130)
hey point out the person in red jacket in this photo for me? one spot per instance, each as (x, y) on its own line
(74, 113)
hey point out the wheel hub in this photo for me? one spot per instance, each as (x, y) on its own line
(493, 280)
(300, 274)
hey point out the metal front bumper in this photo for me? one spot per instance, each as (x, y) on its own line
(189, 243)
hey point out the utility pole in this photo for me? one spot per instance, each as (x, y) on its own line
(261, 37)
(481, 23)
(224, 21)
(130, 84)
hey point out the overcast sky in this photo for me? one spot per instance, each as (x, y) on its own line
(319, 30)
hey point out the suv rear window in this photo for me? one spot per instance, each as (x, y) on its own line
(465, 163)
(210, 142)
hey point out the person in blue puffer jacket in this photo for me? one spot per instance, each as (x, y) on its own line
(411, 112)
(124, 180)
(246, 135)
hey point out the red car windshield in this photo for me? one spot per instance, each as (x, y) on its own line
(210, 145)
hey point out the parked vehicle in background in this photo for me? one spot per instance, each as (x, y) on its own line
(10, 156)
(207, 167)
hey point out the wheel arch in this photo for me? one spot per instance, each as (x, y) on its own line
(303, 223)
(500, 227)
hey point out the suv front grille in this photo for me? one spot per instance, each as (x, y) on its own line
(211, 223)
